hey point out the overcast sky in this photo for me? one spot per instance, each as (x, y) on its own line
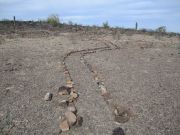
(123, 13)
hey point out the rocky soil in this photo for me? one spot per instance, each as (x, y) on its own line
(78, 80)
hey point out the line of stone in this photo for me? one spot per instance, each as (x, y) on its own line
(71, 116)
(121, 114)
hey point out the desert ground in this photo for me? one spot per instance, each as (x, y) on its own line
(139, 73)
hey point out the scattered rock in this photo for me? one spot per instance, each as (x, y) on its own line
(118, 131)
(48, 96)
(100, 83)
(63, 90)
(66, 72)
(60, 117)
(71, 118)
(72, 108)
(10, 88)
(103, 87)
(122, 114)
(79, 121)
(116, 112)
(69, 84)
(121, 119)
(74, 94)
(64, 126)
(106, 95)
(71, 99)
(63, 103)
(103, 90)
(96, 78)
(120, 110)
(73, 90)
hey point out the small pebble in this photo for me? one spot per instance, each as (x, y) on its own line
(79, 121)
(48, 96)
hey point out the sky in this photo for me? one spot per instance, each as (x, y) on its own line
(149, 14)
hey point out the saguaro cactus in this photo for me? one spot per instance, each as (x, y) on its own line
(136, 26)
(14, 23)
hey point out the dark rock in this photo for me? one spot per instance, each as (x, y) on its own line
(63, 90)
(79, 121)
(118, 131)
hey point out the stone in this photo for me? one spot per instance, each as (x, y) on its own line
(96, 78)
(79, 121)
(71, 118)
(118, 131)
(120, 110)
(10, 88)
(63, 103)
(74, 95)
(107, 96)
(71, 99)
(122, 114)
(121, 119)
(66, 72)
(103, 90)
(116, 112)
(63, 90)
(69, 84)
(72, 108)
(48, 96)
(64, 126)
(73, 90)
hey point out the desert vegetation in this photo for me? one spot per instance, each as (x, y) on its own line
(53, 20)
(105, 24)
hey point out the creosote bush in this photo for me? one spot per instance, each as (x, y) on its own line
(53, 20)
(106, 24)
(161, 29)
(70, 23)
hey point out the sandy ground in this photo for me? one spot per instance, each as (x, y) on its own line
(140, 72)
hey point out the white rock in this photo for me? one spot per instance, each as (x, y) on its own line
(48, 96)
(74, 95)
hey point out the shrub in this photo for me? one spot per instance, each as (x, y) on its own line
(106, 24)
(161, 29)
(70, 23)
(53, 20)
